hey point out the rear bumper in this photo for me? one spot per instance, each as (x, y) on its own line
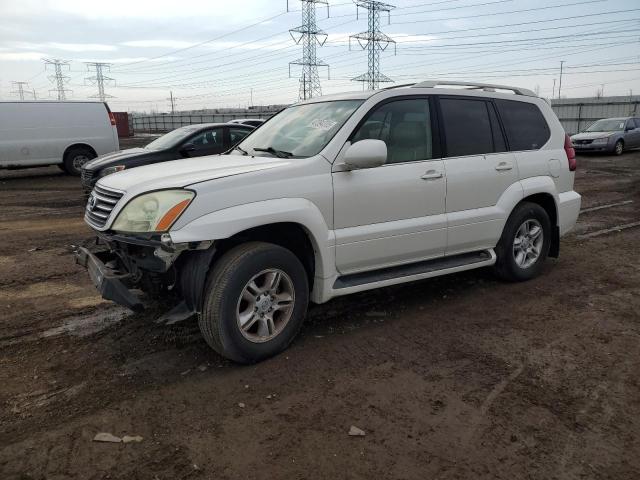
(568, 210)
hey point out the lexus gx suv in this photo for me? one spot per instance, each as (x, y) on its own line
(336, 195)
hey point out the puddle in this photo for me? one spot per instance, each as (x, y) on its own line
(85, 325)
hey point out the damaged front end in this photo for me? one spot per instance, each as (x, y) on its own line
(121, 265)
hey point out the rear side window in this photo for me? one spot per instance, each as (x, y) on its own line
(467, 126)
(525, 126)
(637, 120)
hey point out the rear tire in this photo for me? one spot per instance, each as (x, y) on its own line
(255, 301)
(618, 149)
(524, 244)
(75, 158)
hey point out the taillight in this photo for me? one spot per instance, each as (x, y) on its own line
(571, 153)
(112, 118)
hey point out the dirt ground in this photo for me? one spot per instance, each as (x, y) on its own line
(461, 377)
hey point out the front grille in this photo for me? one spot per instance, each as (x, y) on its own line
(583, 142)
(100, 204)
(88, 180)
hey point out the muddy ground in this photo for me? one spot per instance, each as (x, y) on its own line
(462, 377)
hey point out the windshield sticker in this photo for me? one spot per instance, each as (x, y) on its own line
(322, 124)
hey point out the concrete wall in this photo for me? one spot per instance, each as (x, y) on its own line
(576, 114)
(166, 123)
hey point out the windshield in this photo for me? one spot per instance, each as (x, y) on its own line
(301, 130)
(172, 138)
(607, 125)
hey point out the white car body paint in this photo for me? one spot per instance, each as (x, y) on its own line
(367, 219)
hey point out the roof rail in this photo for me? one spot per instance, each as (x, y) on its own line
(487, 87)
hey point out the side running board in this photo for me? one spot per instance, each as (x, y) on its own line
(418, 268)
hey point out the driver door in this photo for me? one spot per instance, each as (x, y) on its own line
(392, 214)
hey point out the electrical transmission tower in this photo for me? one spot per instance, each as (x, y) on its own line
(310, 37)
(374, 41)
(58, 79)
(99, 79)
(19, 89)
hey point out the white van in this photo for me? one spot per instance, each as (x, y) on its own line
(67, 134)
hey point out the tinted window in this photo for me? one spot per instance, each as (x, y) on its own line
(208, 139)
(525, 126)
(237, 134)
(404, 125)
(467, 127)
(637, 120)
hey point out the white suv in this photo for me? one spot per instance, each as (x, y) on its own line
(336, 195)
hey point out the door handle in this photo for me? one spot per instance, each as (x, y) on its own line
(502, 166)
(431, 175)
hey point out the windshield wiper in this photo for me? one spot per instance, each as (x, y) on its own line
(244, 152)
(273, 151)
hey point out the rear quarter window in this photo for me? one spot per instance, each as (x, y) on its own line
(524, 125)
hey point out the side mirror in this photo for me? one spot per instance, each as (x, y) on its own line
(187, 148)
(628, 129)
(366, 154)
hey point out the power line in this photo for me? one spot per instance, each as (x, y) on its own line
(374, 40)
(19, 89)
(99, 79)
(58, 79)
(310, 36)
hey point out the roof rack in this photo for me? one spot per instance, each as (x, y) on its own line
(487, 87)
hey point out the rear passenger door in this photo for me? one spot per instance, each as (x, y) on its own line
(479, 169)
(633, 136)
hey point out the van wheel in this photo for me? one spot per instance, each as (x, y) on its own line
(255, 301)
(524, 244)
(619, 147)
(75, 158)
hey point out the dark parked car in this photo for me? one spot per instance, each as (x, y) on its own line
(184, 142)
(254, 122)
(613, 135)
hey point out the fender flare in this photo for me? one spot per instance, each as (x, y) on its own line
(230, 221)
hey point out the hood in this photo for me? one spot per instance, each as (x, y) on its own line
(181, 173)
(113, 158)
(592, 135)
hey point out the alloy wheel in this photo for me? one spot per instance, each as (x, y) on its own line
(527, 244)
(265, 305)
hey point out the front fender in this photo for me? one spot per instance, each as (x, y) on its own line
(229, 221)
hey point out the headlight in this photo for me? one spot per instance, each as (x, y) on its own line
(110, 170)
(153, 212)
(601, 140)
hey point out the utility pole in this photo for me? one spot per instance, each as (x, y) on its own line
(58, 79)
(310, 36)
(99, 79)
(19, 89)
(560, 83)
(34, 94)
(374, 41)
(173, 102)
(553, 92)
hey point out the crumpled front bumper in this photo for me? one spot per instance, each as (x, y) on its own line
(123, 265)
(108, 281)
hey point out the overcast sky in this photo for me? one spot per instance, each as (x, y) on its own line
(213, 53)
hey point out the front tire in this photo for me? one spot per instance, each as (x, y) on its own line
(524, 244)
(255, 301)
(75, 158)
(618, 149)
